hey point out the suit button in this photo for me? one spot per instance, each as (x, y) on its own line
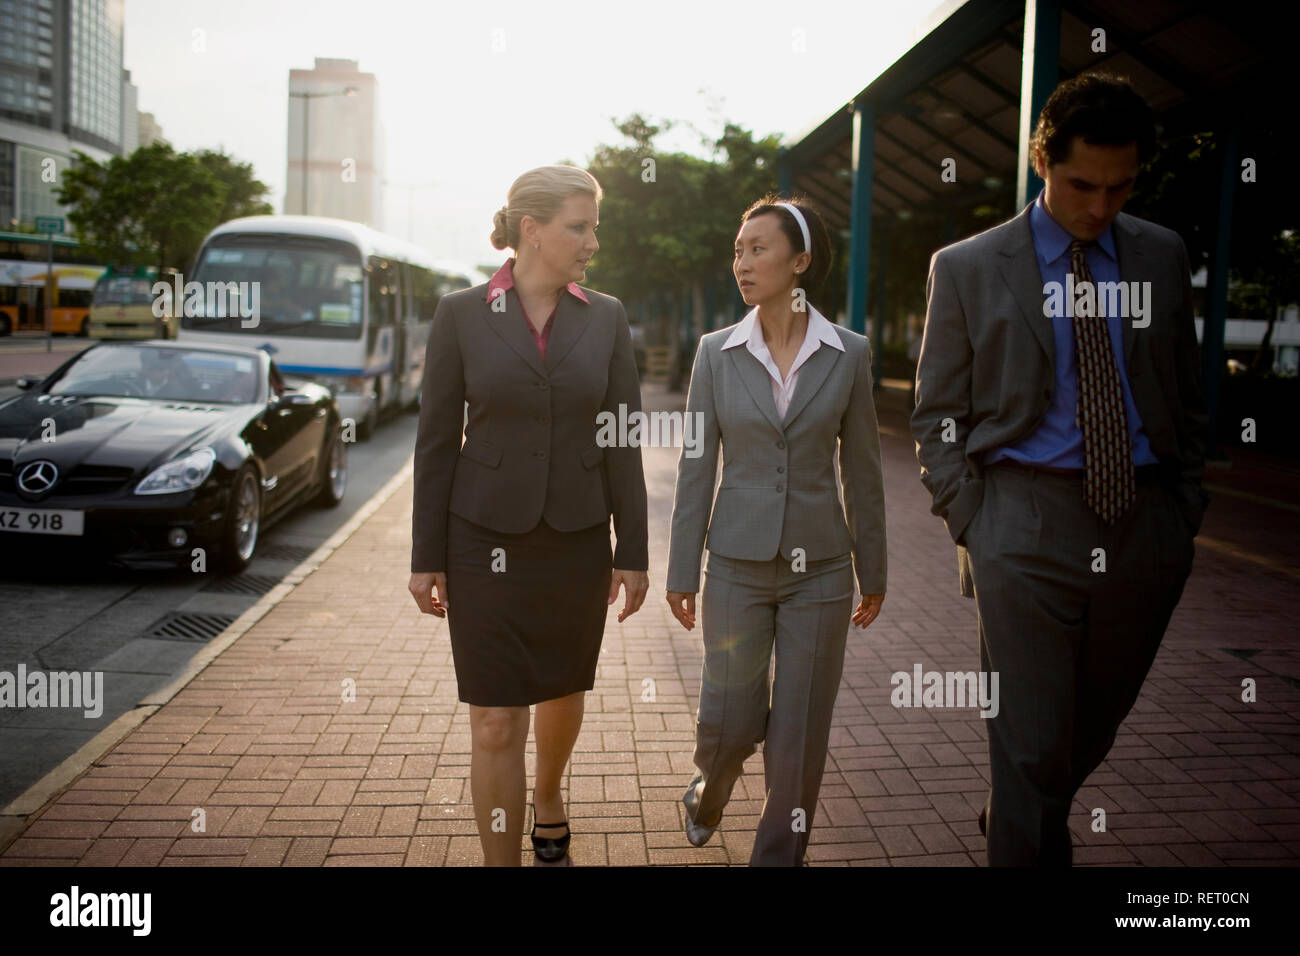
(780, 487)
(780, 469)
(780, 444)
(539, 454)
(543, 385)
(543, 419)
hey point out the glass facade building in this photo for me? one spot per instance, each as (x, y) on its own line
(95, 72)
(62, 88)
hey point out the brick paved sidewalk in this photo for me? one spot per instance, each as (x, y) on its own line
(289, 774)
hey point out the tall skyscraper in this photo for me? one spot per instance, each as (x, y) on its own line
(130, 137)
(335, 143)
(62, 88)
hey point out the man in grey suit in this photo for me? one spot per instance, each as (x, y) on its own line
(1060, 429)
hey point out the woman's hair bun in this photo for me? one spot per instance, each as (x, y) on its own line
(500, 238)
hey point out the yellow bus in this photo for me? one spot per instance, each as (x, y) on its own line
(25, 278)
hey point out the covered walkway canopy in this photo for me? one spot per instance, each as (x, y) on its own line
(966, 97)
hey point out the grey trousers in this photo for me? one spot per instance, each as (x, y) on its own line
(1071, 643)
(748, 609)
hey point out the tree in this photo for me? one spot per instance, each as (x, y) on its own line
(1179, 189)
(242, 192)
(669, 220)
(155, 206)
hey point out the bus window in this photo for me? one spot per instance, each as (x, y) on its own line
(75, 298)
(408, 292)
(383, 299)
(451, 283)
(307, 287)
(426, 294)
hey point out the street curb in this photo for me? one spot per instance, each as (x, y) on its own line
(14, 817)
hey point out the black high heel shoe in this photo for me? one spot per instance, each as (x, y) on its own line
(550, 849)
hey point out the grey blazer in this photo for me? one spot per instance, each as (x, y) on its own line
(778, 489)
(988, 357)
(530, 448)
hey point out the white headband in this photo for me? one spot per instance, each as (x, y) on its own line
(803, 225)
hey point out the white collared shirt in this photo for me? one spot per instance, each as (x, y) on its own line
(750, 332)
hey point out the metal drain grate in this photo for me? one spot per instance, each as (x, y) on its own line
(287, 552)
(243, 584)
(178, 626)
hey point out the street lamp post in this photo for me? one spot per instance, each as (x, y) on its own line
(306, 98)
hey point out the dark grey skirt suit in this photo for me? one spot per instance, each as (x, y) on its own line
(518, 516)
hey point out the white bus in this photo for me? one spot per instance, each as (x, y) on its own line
(338, 303)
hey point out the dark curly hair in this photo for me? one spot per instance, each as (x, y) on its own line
(1102, 108)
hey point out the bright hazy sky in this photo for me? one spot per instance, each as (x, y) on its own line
(469, 120)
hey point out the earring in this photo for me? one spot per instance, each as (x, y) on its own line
(536, 245)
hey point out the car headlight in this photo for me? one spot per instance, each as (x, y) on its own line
(183, 474)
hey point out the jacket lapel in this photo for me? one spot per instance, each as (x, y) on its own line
(757, 382)
(572, 317)
(812, 376)
(511, 325)
(1132, 268)
(1019, 267)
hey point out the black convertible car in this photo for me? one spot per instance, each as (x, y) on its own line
(143, 452)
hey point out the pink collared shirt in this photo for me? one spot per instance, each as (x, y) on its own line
(505, 279)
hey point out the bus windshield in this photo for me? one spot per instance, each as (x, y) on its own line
(306, 287)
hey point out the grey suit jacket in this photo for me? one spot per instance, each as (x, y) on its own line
(530, 448)
(778, 488)
(987, 363)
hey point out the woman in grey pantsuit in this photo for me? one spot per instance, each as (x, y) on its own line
(778, 391)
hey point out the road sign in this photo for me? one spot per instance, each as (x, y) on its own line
(51, 224)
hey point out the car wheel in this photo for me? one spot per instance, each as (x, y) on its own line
(4, 324)
(334, 474)
(243, 520)
(84, 331)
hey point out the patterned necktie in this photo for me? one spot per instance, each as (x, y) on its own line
(1108, 481)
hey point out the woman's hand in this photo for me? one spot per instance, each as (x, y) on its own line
(682, 604)
(867, 610)
(635, 585)
(421, 588)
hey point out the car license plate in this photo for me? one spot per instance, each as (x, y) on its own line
(36, 521)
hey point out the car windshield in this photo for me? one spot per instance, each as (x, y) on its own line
(123, 290)
(288, 285)
(172, 374)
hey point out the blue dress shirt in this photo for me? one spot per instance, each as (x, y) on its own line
(1057, 441)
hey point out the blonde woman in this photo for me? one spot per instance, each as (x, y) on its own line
(510, 532)
(778, 393)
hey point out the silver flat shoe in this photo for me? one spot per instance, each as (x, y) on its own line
(697, 834)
